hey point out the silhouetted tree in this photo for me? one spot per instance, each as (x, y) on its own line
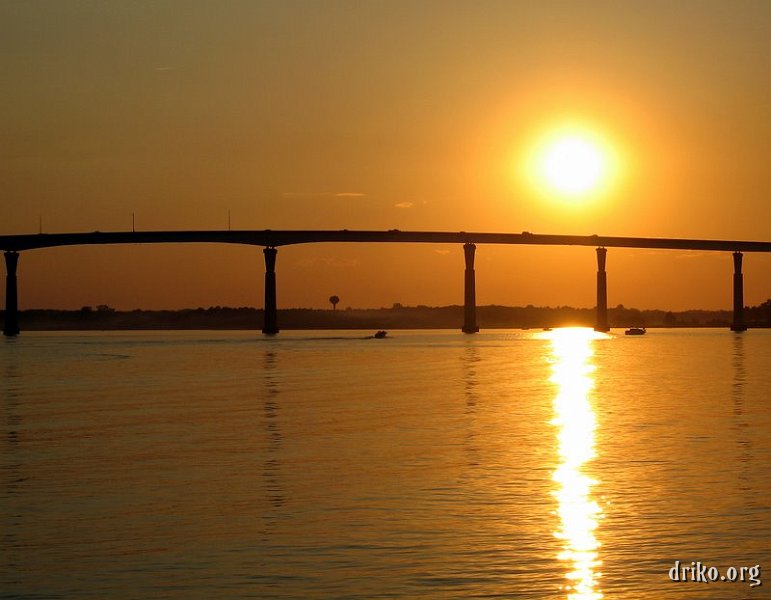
(334, 300)
(763, 312)
(670, 320)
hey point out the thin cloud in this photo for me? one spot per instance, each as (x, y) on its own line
(641, 252)
(696, 254)
(337, 263)
(323, 195)
(670, 253)
(302, 194)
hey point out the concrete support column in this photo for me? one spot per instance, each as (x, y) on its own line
(270, 322)
(738, 322)
(11, 326)
(602, 292)
(470, 294)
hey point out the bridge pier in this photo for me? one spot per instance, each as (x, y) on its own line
(738, 320)
(470, 294)
(270, 313)
(11, 325)
(601, 323)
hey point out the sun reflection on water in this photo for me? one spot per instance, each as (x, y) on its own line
(573, 416)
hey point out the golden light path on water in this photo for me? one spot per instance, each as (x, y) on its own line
(574, 417)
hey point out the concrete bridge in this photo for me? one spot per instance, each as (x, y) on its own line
(270, 240)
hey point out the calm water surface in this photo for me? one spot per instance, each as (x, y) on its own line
(508, 464)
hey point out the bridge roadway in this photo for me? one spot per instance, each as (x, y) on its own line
(270, 240)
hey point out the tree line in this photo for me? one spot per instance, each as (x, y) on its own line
(397, 316)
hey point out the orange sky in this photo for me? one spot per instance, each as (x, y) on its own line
(380, 115)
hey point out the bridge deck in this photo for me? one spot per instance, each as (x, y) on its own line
(286, 237)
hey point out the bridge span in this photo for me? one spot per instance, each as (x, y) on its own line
(270, 240)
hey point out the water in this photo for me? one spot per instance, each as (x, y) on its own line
(508, 464)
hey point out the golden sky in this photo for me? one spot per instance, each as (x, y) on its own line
(420, 115)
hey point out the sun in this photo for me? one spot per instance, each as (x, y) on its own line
(572, 165)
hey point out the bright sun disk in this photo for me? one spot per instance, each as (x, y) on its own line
(573, 165)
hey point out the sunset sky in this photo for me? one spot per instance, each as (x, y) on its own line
(416, 115)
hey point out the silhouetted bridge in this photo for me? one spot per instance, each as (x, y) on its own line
(270, 240)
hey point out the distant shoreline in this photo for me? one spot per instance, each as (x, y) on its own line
(395, 317)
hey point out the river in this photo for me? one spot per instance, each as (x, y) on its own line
(431, 464)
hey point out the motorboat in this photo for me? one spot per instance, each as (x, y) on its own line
(635, 331)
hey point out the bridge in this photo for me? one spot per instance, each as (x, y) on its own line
(270, 240)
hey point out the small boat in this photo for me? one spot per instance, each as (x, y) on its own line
(635, 331)
(380, 335)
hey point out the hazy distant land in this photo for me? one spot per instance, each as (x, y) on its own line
(395, 317)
